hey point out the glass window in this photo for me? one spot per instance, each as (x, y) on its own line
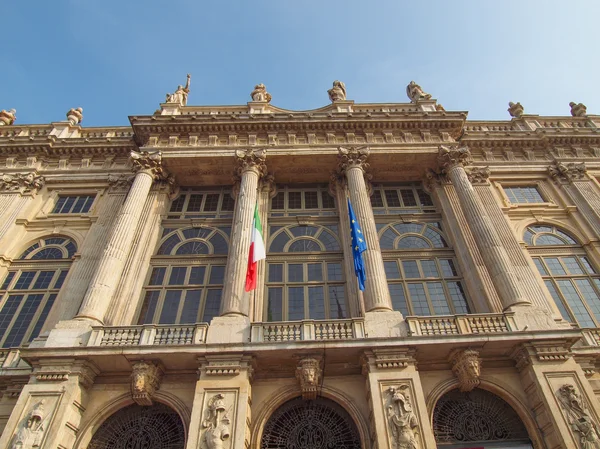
(79, 204)
(192, 203)
(404, 199)
(303, 200)
(523, 195)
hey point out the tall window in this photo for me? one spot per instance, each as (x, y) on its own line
(573, 282)
(292, 201)
(421, 270)
(305, 276)
(185, 283)
(30, 289)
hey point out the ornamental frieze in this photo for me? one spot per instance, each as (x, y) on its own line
(22, 182)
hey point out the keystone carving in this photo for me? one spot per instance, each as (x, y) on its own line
(578, 417)
(31, 432)
(337, 92)
(216, 424)
(572, 171)
(7, 118)
(180, 96)
(578, 109)
(479, 175)
(251, 160)
(75, 116)
(515, 109)
(152, 164)
(415, 93)
(309, 375)
(466, 366)
(452, 156)
(145, 380)
(22, 182)
(260, 93)
(402, 421)
(353, 157)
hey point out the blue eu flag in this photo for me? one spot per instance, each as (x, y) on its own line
(358, 246)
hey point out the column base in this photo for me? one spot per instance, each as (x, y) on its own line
(529, 318)
(70, 333)
(229, 329)
(385, 324)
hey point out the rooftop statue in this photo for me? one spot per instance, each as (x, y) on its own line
(7, 117)
(75, 116)
(181, 94)
(260, 93)
(578, 110)
(337, 92)
(415, 93)
(515, 109)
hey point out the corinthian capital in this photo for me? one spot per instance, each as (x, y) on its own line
(253, 160)
(353, 157)
(451, 156)
(22, 182)
(150, 163)
(573, 171)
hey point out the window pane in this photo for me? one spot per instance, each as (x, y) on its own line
(376, 199)
(523, 195)
(398, 298)
(459, 299)
(157, 276)
(304, 245)
(59, 204)
(42, 318)
(316, 303)
(43, 280)
(572, 265)
(61, 278)
(212, 202)
(438, 298)
(587, 265)
(411, 270)
(429, 269)
(68, 205)
(228, 203)
(558, 301)
(168, 314)
(412, 242)
(424, 198)
(337, 303)
(391, 197)
(197, 276)
(217, 274)
(275, 272)
(274, 308)
(295, 303)
(295, 273)
(590, 295)
(177, 205)
(408, 197)
(278, 201)
(17, 332)
(213, 305)
(315, 272)
(547, 239)
(148, 308)
(279, 242)
(189, 314)
(418, 299)
(177, 276)
(328, 201)
(540, 266)
(554, 266)
(195, 203)
(311, 200)
(8, 280)
(295, 200)
(8, 311)
(24, 280)
(581, 314)
(334, 272)
(391, 269)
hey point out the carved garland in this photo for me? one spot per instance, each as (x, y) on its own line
(574, 171)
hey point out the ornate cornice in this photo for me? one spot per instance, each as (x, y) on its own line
(21, 182)
(452, 156)
(573, 171)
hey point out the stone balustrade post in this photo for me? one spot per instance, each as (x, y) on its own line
(452, 161)
(251, 168)
(352, 163)
(104, 282)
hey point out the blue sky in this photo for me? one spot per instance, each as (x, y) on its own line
(119, 58)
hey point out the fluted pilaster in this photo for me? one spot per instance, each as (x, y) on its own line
(251, 168)
(452, 161)
(353, 162)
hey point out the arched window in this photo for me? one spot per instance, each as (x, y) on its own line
(185, 283)
(30, 288)
(305, 276)
(573, 282)
(421, 270)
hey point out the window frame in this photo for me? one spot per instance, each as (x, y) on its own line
(538, 185)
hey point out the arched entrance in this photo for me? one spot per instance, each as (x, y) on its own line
(477, 419)
(315, 424)
(138, 427)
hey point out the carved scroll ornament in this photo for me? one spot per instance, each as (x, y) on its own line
(572, 171)
(578, 417)
(452, 156)
(402, 421)
(309, 375)
(22, 182)
(31, 432)
(466, 366)
(145, 380)
(216, 425)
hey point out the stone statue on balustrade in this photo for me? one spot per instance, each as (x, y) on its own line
(260, 93)
(337, 92)
(216, 424)
(402, 421)
(75, 116)
(578, 109)
(7, 118)
(181, 94)
(415, 93)
(29, 435)
(515, 109)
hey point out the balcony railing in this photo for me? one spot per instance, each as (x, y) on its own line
(458, 324)
(307, 330)
(148, 335)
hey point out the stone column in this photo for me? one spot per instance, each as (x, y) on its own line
(110, 267)
(452, 161)
(251, 168)
(16, 192)
(352, 163)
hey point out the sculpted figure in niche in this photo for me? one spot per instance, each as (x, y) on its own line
(415, 93)
(216, 424)
(7, 117)
(31, 433)
(578, 417)
(181, 94)
(401, 419)
(260, 93)
(337, 92)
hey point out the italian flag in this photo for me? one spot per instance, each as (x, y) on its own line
(256, 253)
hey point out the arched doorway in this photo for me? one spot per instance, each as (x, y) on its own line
(138, 427)
(477, 419)
(314, 424)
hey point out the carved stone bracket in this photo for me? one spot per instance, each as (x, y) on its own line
(573, 171)
(309, 373)
(225, 365)
(384, 359)
(451, 156)
(352, 157)
(22, 182)
(251, 160)
(215, 424)
(466, 366)
(542, 352)
(577, 415)
(402, 421)
(145, 380)
(150, 162)
(479, 175)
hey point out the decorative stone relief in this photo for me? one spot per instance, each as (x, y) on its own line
(118, 182)
(150, 162)
(31, 432)
(353, 157)
(578, 109)
(251, 160)
(145, 380)
(402, 421)
(22, 182)
(572, 171)
(75, 116)
(415, 93)
(337, 92)
(180, 96)
(7, 118)
(260, 93)
(309, 375)
(451, 156)
(515, 109)
(216, 424)
(479, 175)
(578, 417)
(466, 366)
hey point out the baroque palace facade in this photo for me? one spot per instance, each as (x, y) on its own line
(124, 321)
